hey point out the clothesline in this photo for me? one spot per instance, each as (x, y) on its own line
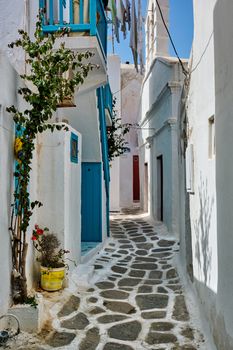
(125, 19)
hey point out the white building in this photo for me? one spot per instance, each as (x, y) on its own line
(125, 84)
(222, 322)
(71, 182)
(209, 159)
(201, 157)
(160, 154)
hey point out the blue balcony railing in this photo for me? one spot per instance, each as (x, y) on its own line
(79, 16)
(108, 100)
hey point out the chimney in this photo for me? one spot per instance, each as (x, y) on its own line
(157, 41)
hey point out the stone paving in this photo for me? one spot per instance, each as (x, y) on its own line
(138, 302)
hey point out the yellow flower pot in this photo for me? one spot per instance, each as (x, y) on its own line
(52, 278)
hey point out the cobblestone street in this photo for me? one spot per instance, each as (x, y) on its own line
(137, 303)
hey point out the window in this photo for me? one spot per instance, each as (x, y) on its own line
(74, 148)
(189, 157)
(211, 137)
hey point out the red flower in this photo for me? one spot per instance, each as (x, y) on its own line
(39, 231)
(34, 238)
(36, 226)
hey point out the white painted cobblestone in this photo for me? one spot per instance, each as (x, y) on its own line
(107, 259)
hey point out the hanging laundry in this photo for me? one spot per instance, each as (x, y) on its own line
(120, 12)
(140, 37)
(105, 4)
(115, 20)
(127, 13)
(133, 35)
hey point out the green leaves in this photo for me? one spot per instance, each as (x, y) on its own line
(55, 75)
(36, 203)
(116, 136)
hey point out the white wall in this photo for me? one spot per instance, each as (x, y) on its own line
(59, 189)
(160, 130)
(85, 118)
(156, 35)
(115, 85)
(7, 98)
(223, 41)
(201, 107)
(12, 18)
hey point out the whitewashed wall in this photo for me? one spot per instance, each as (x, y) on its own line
(9, 84)
(59, 189)
(201, 107)
(223, 41)
(130, 93)
(7, 97)
(160, 109)
(115, 85)
(155, 32)
(85, 118)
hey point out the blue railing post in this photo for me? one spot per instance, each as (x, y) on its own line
(51, 21)
(104, 140)
(108, 98)
(81, 11)
(71, 11)
(41, 4)
(92, 9)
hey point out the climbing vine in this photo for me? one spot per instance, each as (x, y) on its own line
(46, 86)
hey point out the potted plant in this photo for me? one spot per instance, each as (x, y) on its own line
(51, 258)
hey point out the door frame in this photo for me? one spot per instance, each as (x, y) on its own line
(136, 179)
(159, 159)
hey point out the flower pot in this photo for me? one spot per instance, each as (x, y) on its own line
(52, 278)
(67, 102)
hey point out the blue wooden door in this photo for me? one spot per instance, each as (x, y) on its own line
(91, 208)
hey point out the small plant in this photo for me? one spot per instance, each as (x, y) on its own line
(48, 247)
(31, 301)
(116, 136)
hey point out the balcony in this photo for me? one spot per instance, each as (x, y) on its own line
(108, 101)
(86, 25)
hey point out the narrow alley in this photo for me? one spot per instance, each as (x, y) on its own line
(135, 299)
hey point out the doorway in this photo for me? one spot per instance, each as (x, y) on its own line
(160, 188)
(91, 207)
(136, 183)
(146, 187)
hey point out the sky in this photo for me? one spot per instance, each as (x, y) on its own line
(180, 26)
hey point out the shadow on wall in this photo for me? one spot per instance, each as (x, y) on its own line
(203, 251)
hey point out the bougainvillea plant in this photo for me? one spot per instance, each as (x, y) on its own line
(45, 87)
(117, 145)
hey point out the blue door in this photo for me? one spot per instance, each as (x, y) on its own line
(91, 208)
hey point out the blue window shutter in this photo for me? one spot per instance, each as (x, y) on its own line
(74, 148)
